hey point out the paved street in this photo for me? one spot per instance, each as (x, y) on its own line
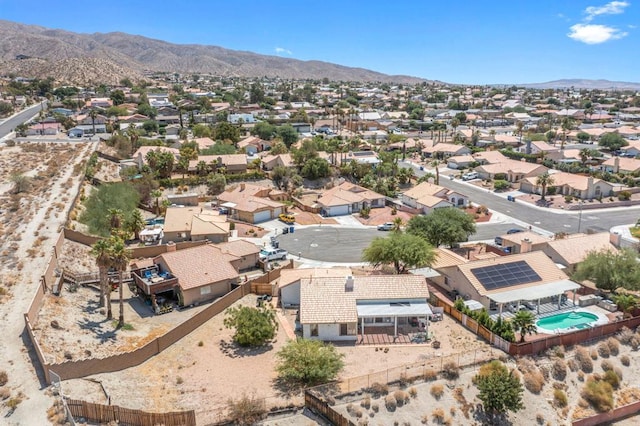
(10, 123)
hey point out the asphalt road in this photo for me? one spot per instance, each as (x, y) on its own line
(345, 245)
(10, 123)
(548, 220)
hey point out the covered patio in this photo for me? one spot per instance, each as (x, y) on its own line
(541, 299)
(396, 320)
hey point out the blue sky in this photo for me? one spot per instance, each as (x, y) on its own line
(471, 42)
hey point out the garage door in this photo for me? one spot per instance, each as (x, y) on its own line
(277, 211)
(261, 216)
(339, 210)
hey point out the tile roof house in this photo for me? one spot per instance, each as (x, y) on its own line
(140, 156)
(460, 161)
(195, 224)
(513, 170)
(204, 273)
(245, 252)
(251, 203)
(348, 198)
(621, 165)
(333, 308)
(253, 145)
(584, 187)
(233, 163)
(573, 249)
(428, 196)
(446, 150)
(204, 143)
(269, 162)
(502, 280)
(288, 284)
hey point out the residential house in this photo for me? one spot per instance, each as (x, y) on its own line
(50, 128)
(302, 127)
(513, 170)
(241, 118)
(99, 103)
(195, 224)
(621, 165)
(269, 162)
(489, 157)
(503, 280)
(252, 145)
(140, 156)
(428, 196)
(523, 242)
(288, 284)
(338, 308)
(348, 198)
(362, 157)
(574, 248)
(537, 147)
(252, 203)
(246, 252)
(445, 150)
(232, 163)
(204, 143)
(460, 161)
(584, 187)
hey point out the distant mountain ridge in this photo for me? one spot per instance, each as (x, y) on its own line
(583, 84)
(108, 57)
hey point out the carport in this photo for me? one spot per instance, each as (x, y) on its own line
(537, 293)
(393, 310)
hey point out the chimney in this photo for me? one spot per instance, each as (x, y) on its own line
(614, 238)
(171, 246)
(525, 245)
(348, 285)
(616, 165)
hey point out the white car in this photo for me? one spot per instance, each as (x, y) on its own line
(388, 226)
(470, 176)
(272, 254)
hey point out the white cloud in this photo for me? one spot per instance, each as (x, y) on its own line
(282, 50)
(595, 34)
(611, 8)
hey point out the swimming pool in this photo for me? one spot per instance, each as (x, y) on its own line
(566, 321)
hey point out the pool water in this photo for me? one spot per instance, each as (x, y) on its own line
(567, 320)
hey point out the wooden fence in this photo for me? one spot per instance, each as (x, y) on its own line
(318, 406)
(126, 416)
(609, 416)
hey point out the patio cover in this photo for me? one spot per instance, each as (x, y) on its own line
(474, 305)
(393, 309)
(535, 292)
(228, 205)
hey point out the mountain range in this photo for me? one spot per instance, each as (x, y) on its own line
(584, 84)
(34, 51)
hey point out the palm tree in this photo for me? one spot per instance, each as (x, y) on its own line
(100, 250)
(435, 163)
(115, 220)
(524, 322)
(397, 224)
(93, 114)
(119, 256)
(132, 134)
(626, 303)
(156, 193)
(567, 124)
(584, 155)
(135, 223)
(543, 181)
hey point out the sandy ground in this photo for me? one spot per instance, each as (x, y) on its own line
(27, 236)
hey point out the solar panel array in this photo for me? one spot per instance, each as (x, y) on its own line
(505, 275)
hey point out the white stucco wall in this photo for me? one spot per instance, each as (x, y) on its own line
(326, 332)
(290, 295)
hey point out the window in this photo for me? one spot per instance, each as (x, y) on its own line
(348, 329)
(205, 290)
(314, 330)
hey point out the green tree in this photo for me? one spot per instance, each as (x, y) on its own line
(156, 193)
(524, 322)
(216, 183)
(117, 96)
(612, 141)
(500, 184)
(135, 223)
(499, 389)
(100, 251)
(256, 93)
(120, 196)
(288, 134)
(405, 175)
(202, 131)
(315, 168)
(610, 270)
(627, 303)
(279, 148)
(403, 251)
(308, 362)
(115, 217)
(253, 326)
(5, 108)
(119, 257)
(220, 148)
(583, 136)
(226, 131)
(443, 226)
(543, 181)
(263, 130)
(150, 126)
(147, 110)
(161, 162)
(93, 114)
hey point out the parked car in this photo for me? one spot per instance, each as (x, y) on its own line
(272, 254)
(387, 226)
(470, 176)
(287, 218)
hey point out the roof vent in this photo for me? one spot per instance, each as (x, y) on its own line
(348, 285)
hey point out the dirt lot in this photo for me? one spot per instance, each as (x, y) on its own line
(29, 223)
(380, 216)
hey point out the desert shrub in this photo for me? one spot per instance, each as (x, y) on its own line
(533, 381)
(4, 378)
(437, 391)
(450, 371)
(430, 375)
(413, 392)
(625, 360)
(246, 410)
(606, 365)
(556, 351)
(401, 397)
(390, 402)
(618, 372)
(572, 364)
(560, 398)
(594, 354)
(375, 408)
(540, 418)
(559, 369)
(612, 378)
(379, 389)
(179, 380)
(625, 335)
(581, 376)
(583, 360)
(603, 350)
(614, 346)
(635, 342)
(599, 394)
(438, 416)
(366, 402)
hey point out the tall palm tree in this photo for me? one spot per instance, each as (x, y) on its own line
(100, 250)
(135, 223)
(524, 322)
(435, 163)
(156, 193)
(115, 220)
(93, 114)
(543, 181)
(119, 256)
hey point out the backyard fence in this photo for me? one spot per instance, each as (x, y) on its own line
(126, 416)
(319, 406)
